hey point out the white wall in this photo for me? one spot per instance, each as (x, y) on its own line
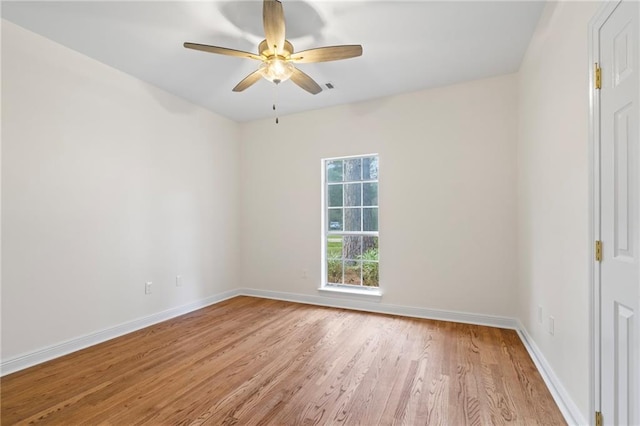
(553, 246)
(447, 195)
(107, 182)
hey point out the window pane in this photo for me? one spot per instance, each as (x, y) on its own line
(352, 247)
(335, 195)
(370, 194)
(334, 271)
(335, 220)
(370, 168)
(352, 272)
(369, 248)
(334, 247)
(352, 219)
(352, 194)
(334, 171)
(353, 169)
(351, 208)
(370, 274)
(370, 219)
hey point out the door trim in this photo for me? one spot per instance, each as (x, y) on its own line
(596, 23)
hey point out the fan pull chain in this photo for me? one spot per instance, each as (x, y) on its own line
(275, 101)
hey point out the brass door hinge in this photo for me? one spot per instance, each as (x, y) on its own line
(599, 251)
(598, 76)
(598, 418)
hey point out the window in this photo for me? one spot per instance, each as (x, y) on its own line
(351, 222)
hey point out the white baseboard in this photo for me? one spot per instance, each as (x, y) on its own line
(569, 409)
(21, 362)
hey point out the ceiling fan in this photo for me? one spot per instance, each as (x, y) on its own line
(277, 55)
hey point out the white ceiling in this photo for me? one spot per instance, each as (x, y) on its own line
(407, 46)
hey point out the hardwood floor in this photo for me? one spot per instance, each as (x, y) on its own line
(258, 361)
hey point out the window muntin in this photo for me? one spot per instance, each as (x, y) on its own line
(351, 222)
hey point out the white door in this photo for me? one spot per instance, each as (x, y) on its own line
(620, 216)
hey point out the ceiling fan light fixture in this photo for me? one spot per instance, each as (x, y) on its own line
(277, 70)
(277, 55)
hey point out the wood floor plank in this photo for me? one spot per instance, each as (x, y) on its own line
(253, 361)
(401, 365)
(368, 405)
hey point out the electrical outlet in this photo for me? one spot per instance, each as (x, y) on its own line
(539, 314)
(551, 325)
(147, 287)
(178, 281)
(305, 274)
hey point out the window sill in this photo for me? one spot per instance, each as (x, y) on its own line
(365, 294)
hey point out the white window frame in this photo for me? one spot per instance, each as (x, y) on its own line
(346, 288)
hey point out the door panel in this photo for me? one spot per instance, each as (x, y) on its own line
(619, 217)
(623, 183)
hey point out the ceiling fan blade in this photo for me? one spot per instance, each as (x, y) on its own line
(222, 50)
(274, 27)
(248, 81)
(306, 82)
(325, 54)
